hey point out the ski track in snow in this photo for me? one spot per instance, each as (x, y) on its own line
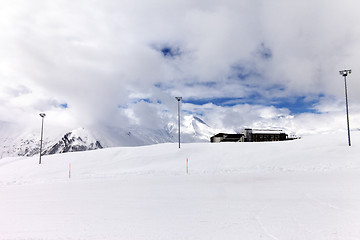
(271, 236)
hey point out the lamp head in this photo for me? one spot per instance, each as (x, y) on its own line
(178, 98)
(344, 73)
(42, 115)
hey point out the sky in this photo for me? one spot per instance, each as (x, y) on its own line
(237, 64)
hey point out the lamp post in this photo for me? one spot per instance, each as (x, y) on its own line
(179, 99)
(42, 115)
(344, 73)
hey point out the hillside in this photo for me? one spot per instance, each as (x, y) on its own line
(301, 189)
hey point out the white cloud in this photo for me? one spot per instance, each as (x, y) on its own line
(98, 55)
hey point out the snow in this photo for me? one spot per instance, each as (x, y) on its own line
(301, 189)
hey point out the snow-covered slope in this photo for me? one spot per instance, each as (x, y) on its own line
(301, 189)
(315, 153)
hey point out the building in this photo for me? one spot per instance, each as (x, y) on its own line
(251, 135)
(226, 137)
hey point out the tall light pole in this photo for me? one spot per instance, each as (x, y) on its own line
(344, 73)
(42, 115)
(179, 99)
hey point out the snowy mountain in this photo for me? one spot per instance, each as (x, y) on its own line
(18, 142)
(27, 143)
(196, 128)
(74, 141)
(193, 129)
(19, 146)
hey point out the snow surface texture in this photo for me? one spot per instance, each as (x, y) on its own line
(301, 189)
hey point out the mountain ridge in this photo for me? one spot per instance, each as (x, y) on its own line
(193, 129)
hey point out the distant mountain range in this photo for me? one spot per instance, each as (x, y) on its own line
(193, 129)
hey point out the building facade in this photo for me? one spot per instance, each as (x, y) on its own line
(251, 135)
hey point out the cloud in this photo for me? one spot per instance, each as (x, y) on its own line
(94, 56)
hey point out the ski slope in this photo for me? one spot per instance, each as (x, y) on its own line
(302, 189)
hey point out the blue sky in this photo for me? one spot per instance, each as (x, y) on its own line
(296, 105)
(235, 63)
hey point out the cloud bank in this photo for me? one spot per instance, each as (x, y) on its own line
(235, 63)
